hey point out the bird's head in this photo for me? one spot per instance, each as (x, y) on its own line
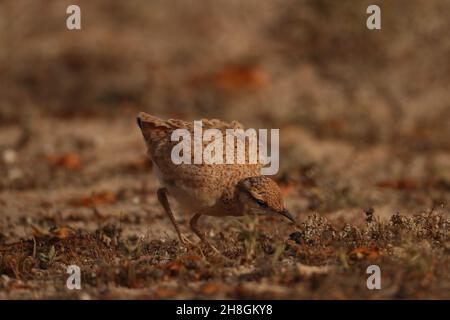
(261, 195)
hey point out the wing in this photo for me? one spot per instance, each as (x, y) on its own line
(196, 180)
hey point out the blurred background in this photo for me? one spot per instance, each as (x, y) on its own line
(307, 63)
(337, 90)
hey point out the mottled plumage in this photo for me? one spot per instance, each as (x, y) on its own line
(207, 189)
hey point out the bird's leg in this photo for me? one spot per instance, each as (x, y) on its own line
(201, 235)
(162, 197)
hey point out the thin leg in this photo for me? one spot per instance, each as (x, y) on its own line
(201, 235)
(162, 197)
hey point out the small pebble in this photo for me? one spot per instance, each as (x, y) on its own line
(85, 296)
(136, 200)
(9, 156)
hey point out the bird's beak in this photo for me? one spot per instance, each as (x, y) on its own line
(287, 215)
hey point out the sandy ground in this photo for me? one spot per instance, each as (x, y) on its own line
(84, 195)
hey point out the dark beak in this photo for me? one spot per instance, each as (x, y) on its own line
(288, 215)
(139, 122)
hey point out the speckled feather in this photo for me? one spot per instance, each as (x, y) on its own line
(206, 188)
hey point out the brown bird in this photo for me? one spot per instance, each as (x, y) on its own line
(207, 189)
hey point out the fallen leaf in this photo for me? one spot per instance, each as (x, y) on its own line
(236, 77)
(286, 188)
(55, 233)
(210, 288)
(137, 165)
(174, 266)
(180, 263)
(233, 78)
(61, 233)
(365, 253)
(69, 161)
(164, 293)
(96, 199)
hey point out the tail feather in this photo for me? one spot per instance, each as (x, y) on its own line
(153, 128)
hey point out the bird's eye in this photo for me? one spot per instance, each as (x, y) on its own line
(261, 203)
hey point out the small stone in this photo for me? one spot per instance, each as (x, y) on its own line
(296, 237)
(5, 278)
(9, 156)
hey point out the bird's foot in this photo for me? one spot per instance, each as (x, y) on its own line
(185, 241)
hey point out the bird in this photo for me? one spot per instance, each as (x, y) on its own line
(207, 189)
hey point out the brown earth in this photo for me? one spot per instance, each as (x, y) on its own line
(365, 149)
